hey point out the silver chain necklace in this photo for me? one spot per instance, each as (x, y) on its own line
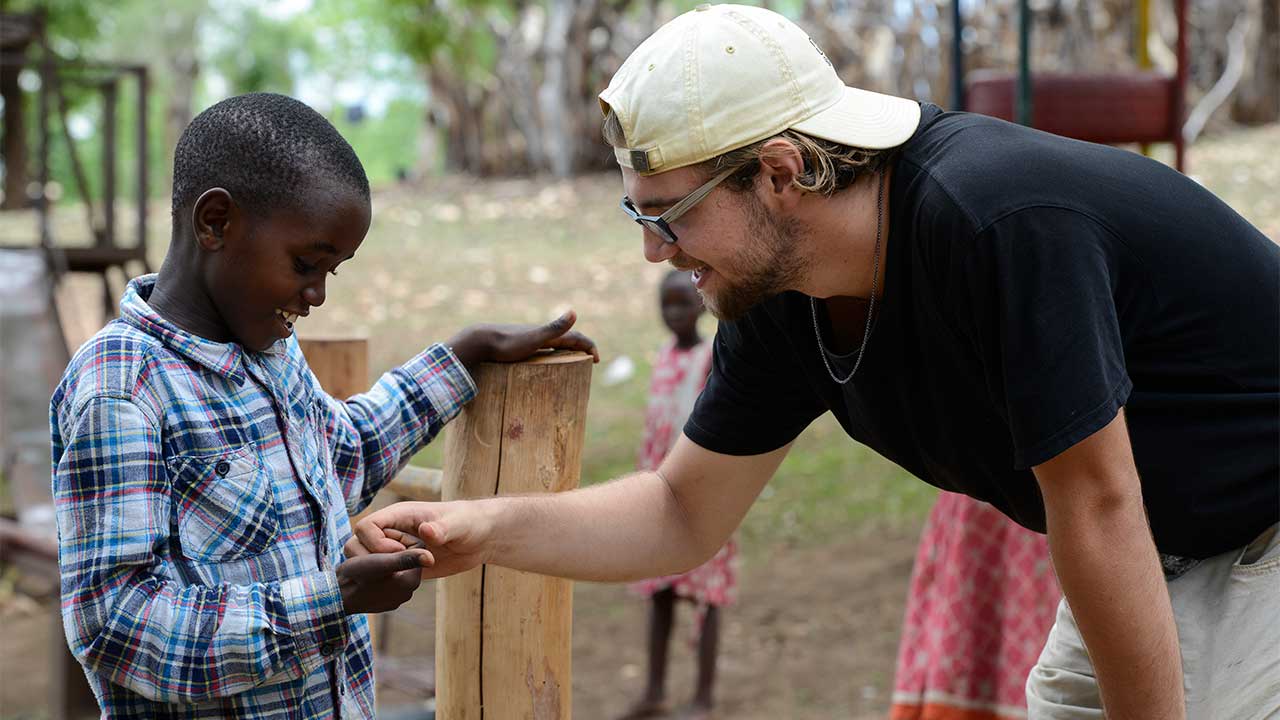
(871, 306)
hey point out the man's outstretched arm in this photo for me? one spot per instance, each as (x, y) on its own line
(642, 525)
(1110, 574)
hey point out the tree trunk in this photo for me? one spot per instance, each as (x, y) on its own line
(553, 92)
(183, 69)
(1257, 99)
(516, 63)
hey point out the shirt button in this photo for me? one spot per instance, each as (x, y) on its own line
(326, 649)
(222, 468)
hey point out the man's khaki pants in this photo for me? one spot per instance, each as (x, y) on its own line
(1227, 609)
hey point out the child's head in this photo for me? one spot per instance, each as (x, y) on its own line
(681, 304)
(268, 199)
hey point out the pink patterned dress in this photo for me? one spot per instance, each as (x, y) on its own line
(678, 376)
(983, 597)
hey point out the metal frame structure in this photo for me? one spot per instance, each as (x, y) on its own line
(1142, 106)
(106, 250)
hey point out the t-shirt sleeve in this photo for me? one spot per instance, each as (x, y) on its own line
(1041, 311)
(756, 398)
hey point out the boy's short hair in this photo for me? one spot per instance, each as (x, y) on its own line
(263, 148)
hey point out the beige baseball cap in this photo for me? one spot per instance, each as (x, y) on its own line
(723, 76)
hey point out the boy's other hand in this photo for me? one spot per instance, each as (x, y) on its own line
(374, 583)
(512, 343)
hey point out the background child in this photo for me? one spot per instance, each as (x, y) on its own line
(679, 374)
(203, 479)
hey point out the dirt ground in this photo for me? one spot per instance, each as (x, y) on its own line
(814, 635)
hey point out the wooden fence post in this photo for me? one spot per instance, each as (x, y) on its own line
(503, 637)
(341, 364)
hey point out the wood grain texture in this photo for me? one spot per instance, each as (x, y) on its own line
(341, 364)
(472, 447)
(503, 637)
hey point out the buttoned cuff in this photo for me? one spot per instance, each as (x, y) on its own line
(443, 379)
(317, 621)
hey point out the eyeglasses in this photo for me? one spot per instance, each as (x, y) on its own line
(660, 225)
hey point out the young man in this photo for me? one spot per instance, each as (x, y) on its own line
(203, 478)
(1076, 334)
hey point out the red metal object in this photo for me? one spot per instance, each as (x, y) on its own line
(1131, 108)
(1142, 106)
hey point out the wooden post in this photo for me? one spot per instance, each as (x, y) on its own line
(110, 94)
(503, 636)
(340, 364)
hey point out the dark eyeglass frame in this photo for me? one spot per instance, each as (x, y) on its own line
(660, 225)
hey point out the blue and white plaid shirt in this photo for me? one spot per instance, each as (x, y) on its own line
(202, 494)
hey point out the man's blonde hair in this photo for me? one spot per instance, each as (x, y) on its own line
(829, 167)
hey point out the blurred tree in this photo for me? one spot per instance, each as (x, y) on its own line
(263, 54)
(168, 39)
(513, 82)
(163, 37)
(1258, 98)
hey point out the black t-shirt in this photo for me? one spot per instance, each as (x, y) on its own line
(1033, 286)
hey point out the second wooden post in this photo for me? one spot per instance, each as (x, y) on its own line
(503, 637)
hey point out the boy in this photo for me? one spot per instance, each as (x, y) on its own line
(203, 479)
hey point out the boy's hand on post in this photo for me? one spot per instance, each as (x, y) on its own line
(512, 343)
(373, 583)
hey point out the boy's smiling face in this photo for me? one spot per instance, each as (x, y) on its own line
(263, 273)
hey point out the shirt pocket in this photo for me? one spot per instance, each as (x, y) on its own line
(226, 506)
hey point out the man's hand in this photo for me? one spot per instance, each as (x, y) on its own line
(512, 343)
(377, 583)
(454, 534)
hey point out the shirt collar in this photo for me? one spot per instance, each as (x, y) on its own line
(225, 359)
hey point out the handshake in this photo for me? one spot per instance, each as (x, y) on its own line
(393, 549)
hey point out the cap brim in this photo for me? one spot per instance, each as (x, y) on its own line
(865, 119)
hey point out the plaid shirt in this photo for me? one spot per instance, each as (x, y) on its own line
(202, 495)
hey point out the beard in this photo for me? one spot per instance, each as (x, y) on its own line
(769, 264)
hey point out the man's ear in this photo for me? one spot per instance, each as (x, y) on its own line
(780, 164)
(212, 217)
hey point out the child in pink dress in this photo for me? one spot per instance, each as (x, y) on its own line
(679, 374)
(983, 597)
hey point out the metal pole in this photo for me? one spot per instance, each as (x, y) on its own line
(1142, 30)
(1023, 115)
(957, 57)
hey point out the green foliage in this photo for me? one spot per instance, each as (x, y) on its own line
(263, 54)
(69, 22)
(386, 144)
(454, 32)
